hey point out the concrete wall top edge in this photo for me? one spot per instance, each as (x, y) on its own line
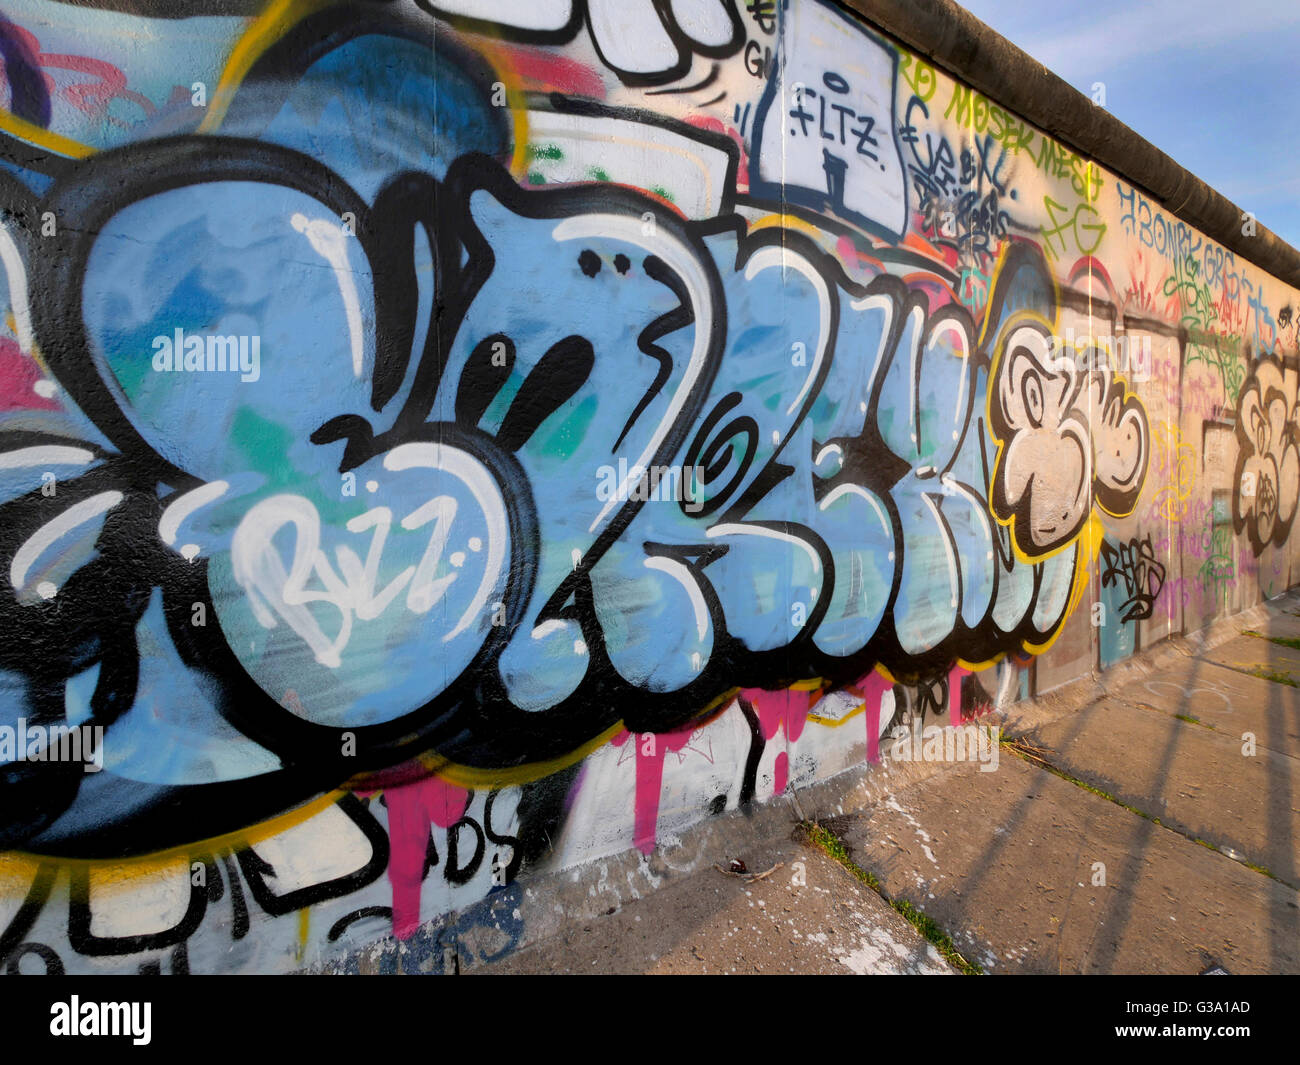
(969, 50)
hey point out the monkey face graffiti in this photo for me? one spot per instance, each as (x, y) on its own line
(1268, 462)
(1071, 437)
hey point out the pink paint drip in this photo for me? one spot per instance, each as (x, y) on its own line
(412, 810)
(954, 694)
(788, 707)
(873, 687)
(649, 779)
(777, 710)
(780, 773)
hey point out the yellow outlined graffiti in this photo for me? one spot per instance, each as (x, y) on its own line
(43, 138)
(262, 33)
(156, 861)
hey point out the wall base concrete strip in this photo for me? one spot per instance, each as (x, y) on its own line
(710, 923)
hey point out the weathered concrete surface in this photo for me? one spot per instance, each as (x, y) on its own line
(609, 894)
(711, 922)
(1282, 619)
(1192, 778)
(1252, 654)
(1227, 701)
(1005, 862)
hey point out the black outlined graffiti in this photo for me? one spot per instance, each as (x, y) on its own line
(1052, 412)
(1134, 568)
(1267, 478)
(645, 42)
(925, 494)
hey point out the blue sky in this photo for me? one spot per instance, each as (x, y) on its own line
(1215, 84)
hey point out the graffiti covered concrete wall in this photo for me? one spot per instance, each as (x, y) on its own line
(446, 441)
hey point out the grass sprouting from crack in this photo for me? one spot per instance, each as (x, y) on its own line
(1039, 756)
(1244, 861)
(1277, 676)
(1291, 642)
(1030, 752)
(830, 845)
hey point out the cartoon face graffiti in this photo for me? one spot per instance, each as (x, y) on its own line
(1070, 437)
(1268, 463)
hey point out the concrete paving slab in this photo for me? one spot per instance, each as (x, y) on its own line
(1260, 657)
(1193, 778)
(1223, 699)
(809, 916)
(1005, 862)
